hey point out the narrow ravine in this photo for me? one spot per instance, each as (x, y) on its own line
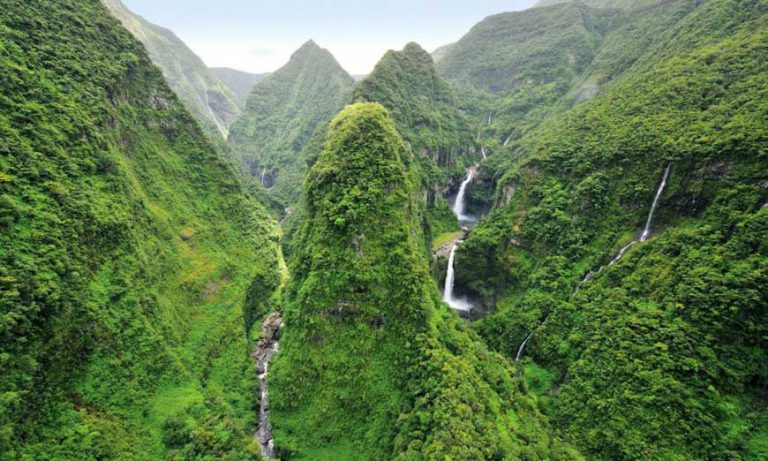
(266, 347)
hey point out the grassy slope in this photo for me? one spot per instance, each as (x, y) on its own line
(125, 253)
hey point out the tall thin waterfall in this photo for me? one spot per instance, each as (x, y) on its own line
(263, 172)
(219, 126)
(458, 304)
(647, 230)
(459, 206)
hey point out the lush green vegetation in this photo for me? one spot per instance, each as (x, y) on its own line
(662, 355)
(625, 4)
(512, 68)
(134, 266)
(126, 250)
(372, 365)
(426, 113)
(284, 113)
(211, 102)
(424, 108)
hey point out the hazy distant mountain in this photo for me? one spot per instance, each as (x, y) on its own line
(511, 67)
(624, 4)
(440, 52)
(210, 101)
(239, 82)
(282, 114)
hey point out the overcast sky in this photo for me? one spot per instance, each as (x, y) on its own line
(260, 35)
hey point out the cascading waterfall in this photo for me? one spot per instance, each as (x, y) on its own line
(263, 172)
(621, 252)
(482, 151)
(521, 350)
(459, 206)
(450, 276)
(506, 141)
(647, 230)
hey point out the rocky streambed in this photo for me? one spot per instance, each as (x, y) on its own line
(266, 347)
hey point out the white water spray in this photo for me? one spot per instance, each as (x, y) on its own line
(450, 277)
(263, 172)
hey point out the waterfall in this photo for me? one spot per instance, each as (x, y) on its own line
(458, 304)
(647, 230)
(219, 126)
(521, 350)
(506, 141)
(482, 151)
(458, 207)
(263, 172)
(265, 349)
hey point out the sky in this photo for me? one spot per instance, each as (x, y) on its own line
(260, 35)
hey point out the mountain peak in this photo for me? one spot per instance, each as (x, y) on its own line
(413, 47)
(310, 47)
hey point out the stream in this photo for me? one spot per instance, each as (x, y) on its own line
(266, 347)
